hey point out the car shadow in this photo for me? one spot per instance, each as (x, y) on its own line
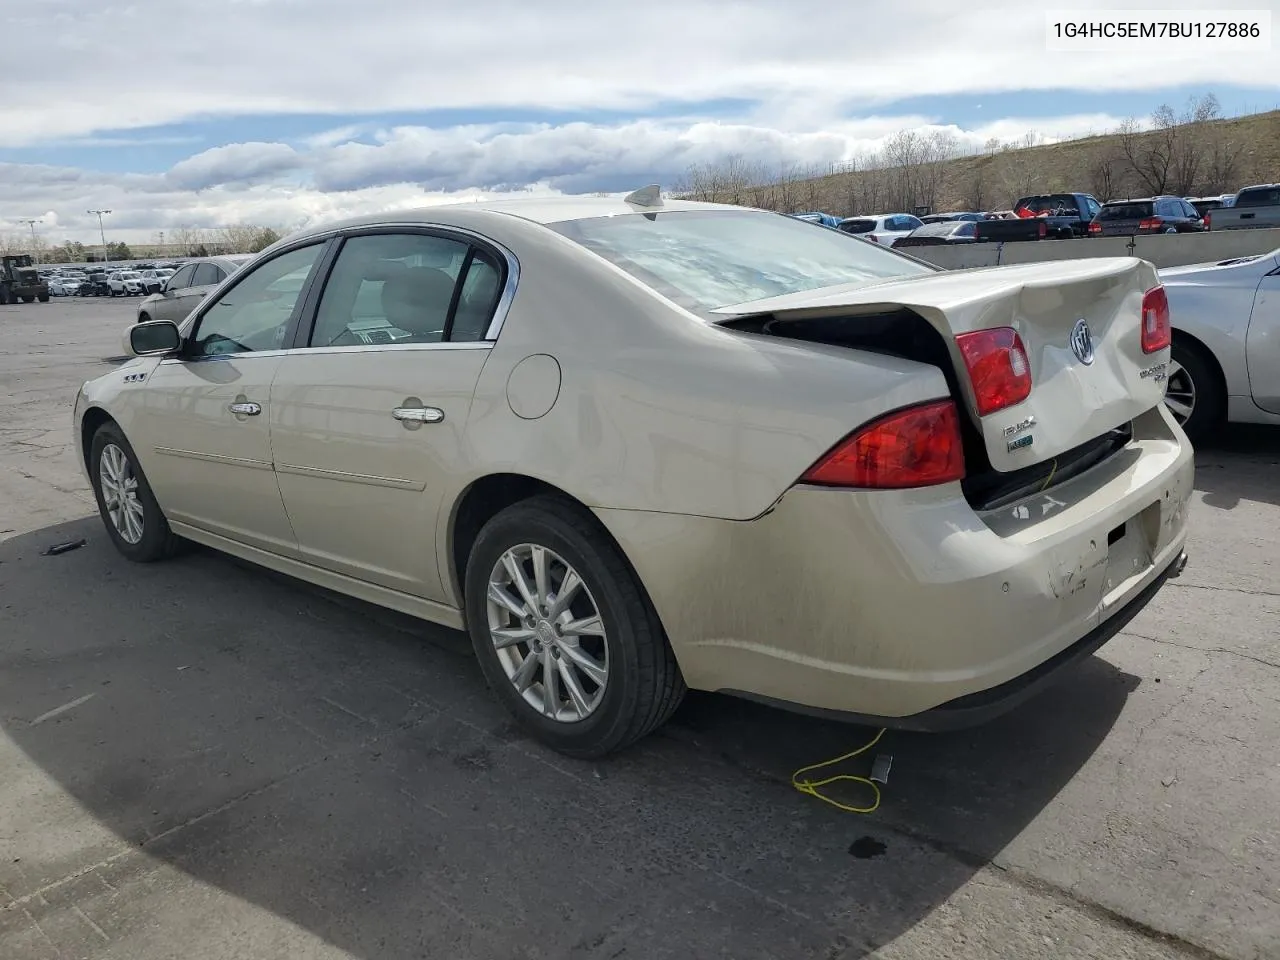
(1239, 463)
(346, 769)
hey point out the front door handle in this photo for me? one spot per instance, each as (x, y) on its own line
(418, 414)
(245, 409)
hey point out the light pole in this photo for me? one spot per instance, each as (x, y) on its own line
(32, 224)
(103, 233)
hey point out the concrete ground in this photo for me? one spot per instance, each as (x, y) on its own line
(200, 760)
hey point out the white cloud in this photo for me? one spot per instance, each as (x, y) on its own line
(287, 185)
(803, 66)
(115, 65)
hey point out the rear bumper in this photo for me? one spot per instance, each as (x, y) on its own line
(906, 608)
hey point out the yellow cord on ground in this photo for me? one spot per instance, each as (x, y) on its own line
(811, 787)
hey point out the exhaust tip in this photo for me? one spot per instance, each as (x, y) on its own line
(1180, 564)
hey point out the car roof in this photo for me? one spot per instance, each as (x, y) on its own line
(543, 210)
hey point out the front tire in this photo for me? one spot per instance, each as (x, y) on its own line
(134, 520)
(1194, 393)
(564, 631)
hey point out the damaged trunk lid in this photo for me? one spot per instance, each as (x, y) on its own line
(1079, 321)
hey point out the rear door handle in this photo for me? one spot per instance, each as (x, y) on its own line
(247, 409)
(418, 414)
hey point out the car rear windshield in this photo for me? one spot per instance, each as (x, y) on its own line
(1126, 211)
(857, 226)
(1048, 203)
(706, 260)
(1259, 197)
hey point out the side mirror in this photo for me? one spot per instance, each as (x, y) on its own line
(153, 338)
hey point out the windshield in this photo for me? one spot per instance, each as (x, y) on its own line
(706, 260)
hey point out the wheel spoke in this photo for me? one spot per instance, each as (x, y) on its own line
(499, 595)
(569, 588)
(586, 663)
(523, 677)
(1180, 408)
(573, 688)
(550, 684)
(541, 582)
(586, 627)
(509, 637)
(514, 571)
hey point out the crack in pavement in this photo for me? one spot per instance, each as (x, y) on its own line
(1205, 586)
(1187, 646)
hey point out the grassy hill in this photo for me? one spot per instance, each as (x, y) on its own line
(1207, 157)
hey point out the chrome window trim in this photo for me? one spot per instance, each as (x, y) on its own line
(348, 348)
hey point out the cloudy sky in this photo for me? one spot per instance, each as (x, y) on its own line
(175, 113)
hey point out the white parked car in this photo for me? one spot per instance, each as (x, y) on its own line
(126, 283)
(64, 287)
(882, 228)
(1226, 332)
(153, 280)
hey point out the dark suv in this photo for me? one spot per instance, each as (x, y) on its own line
(1125, 218)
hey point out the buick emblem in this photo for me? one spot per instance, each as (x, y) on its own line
(1082, 342)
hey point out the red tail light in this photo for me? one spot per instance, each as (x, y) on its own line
(1044, 230)
(916, 447)
(1157, 331)
(998, 367)
(1095, 227)
(1208, 217)
(1150, 223)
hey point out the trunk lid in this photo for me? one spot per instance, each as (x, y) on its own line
(1072, 401)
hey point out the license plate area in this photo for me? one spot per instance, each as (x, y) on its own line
(1130, 550)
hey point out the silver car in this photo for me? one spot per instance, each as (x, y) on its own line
(635, 446)
(1226, 342)
(190, 284)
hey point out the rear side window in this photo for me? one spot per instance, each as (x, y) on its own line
(407, 288)
(1126, 211)
(1259, 197)
(858, 226)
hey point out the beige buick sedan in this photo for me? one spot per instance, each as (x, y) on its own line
(634, 446)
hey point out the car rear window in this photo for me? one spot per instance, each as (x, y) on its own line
(705, 260)
(1259, 197)
(1048, 203)
(857, 226)
(1126, 211)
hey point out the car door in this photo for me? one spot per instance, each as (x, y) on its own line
(367, 415)
(1262, 344)
(204, 429)
(173, 304)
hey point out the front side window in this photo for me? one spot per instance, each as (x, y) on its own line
(255, 313)
(206, 275)
(182, 279)
(404, 288)
(708, 260)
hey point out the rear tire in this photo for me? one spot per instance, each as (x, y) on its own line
(144, 317)
(45, 298)
(146, 537)
(641, 682)
(1194, 392)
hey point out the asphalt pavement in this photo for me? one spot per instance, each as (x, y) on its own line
(202, 760)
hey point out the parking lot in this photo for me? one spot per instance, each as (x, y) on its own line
(200, 759)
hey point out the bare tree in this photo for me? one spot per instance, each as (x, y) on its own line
(1104, 175)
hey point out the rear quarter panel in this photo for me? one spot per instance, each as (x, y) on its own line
(654, 408)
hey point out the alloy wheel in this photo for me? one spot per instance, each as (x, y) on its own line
(548, 633)
(1180, 392)
(120, 493)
